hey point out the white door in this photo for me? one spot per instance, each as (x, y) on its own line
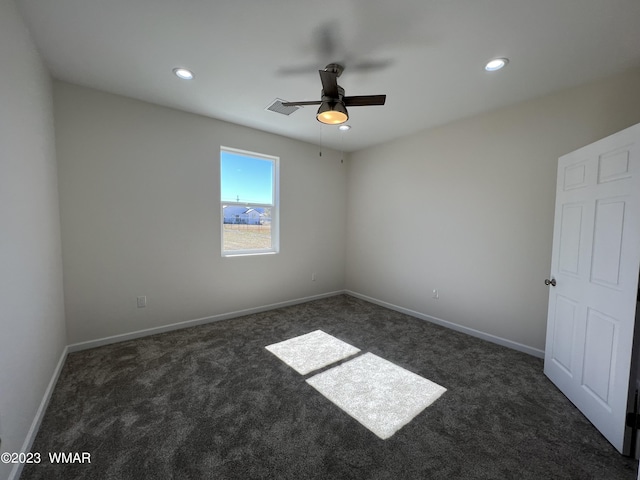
(595, 266)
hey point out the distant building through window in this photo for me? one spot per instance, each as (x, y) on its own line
(248, 202)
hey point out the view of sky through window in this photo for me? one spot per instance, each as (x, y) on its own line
(245, 179)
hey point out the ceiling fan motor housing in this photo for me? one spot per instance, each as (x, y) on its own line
(326, 98)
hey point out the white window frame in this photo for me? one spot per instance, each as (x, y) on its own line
(274, 205)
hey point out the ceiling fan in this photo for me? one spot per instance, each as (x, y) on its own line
(333, 106)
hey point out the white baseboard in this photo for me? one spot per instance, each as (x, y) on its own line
(453, 326)
(76, 347)
(37, 420)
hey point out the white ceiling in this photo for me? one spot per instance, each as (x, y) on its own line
(243, 51)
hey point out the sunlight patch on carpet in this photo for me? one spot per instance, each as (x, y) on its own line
(380, 395)
(312, 351)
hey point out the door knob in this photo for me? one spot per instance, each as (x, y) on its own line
(551, 282)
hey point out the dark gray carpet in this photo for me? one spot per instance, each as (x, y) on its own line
(211, 403)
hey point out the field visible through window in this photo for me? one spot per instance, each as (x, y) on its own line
(246, 237)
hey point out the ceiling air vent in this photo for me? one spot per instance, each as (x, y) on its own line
(276, 106)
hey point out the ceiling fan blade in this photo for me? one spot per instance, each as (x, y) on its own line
(329, 83)
(368, 65)
(364, 100)
(297, 70)
(295, 104)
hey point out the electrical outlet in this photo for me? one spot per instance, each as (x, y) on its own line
(313, 277)
(142, 301)
(435, 294)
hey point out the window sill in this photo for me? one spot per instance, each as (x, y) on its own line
(247, 254)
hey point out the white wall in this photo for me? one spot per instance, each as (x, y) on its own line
(139, 196)
(468, 209)
(32, 331)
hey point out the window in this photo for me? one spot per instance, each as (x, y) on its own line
(248, 202)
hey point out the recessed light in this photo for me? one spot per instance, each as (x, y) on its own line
(183, 73)
(344, 128)
(496, 64)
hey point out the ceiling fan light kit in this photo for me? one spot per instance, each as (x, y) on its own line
(331, 113)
